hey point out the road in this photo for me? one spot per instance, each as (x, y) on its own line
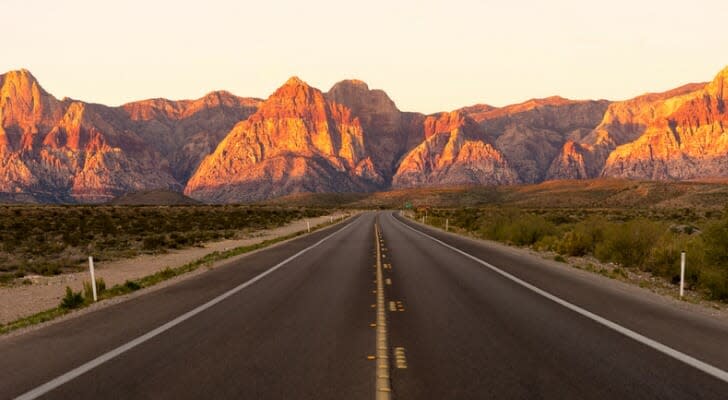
(465, 319)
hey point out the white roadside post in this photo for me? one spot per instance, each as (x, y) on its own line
(93, 276)
(447, 224)
(682, 274)
(308, 226)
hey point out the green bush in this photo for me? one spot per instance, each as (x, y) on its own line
(583, 237)
(71, 300)
(715, 238)
(715, 281)
(629, 244)
(528, 229)
(664, 256)
(154, 242)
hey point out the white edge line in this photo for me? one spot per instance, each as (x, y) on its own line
(689, 360)
(82, 369)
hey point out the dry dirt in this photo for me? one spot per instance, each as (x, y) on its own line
(46, 292)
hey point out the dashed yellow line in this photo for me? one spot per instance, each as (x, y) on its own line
(383, 386)
(396, 306)
(400, 359)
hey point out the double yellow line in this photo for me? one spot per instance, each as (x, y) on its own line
(383, 386)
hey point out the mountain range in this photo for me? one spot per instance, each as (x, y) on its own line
(224, 148)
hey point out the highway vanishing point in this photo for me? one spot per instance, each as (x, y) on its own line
(377, 307)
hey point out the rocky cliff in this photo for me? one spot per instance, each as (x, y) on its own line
(224, 148)
(685, 138)
(531, 134)
(627, 123)
(297, 141)
(455, 152)
(68, 150)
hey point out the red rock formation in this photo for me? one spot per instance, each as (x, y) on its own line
(186, 131)
(623, 122)
(454, 153)
(531, 134)
(73, 151)
(349, 139)
(685, 138)
(297, 141)
(389, 133)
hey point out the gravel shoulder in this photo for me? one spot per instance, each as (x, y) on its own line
(46, 292)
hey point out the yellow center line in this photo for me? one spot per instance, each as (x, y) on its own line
(383, 388)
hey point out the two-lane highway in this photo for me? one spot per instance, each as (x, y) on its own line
(448, 318)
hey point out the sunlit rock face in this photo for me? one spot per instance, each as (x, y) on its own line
(679, 134)
(68, 151)
(531, 134)
(297, 141)
(685, 138)
(224, 148)
(454, 152)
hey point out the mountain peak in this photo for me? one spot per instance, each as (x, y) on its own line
(350, 84)
(719, 86)
(18, 78)
(295, 81)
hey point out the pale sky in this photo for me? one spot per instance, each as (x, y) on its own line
(427, 55)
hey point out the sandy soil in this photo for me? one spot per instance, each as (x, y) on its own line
(46, 292)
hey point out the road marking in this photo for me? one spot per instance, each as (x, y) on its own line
(664, 349)
(82, 369)
(400, 359)
(382, 385)
(396, 306)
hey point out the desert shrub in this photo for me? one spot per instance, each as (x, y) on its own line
(547, 243)
(715, 281)
(71, 300)
(88, 292)
(664, 256)
(629, 244)
(49, 268)
(583, 237)
(715, 239)
(154, 242)
(528, 229)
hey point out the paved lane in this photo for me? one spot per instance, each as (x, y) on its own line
(470, 333)
(301, 332)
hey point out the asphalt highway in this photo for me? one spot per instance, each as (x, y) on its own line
(465, 319)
